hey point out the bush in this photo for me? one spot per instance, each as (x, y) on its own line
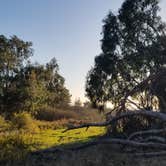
(50, 114)
(14, 146)
(24, 121)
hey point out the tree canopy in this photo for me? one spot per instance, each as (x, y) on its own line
(25, 86)
(133, 48)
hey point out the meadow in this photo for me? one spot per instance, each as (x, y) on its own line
(24, 135)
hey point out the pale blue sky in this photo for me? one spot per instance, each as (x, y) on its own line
(68, 30)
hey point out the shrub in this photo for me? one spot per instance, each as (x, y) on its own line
(14, 146)
(50, 114)
(24, 121)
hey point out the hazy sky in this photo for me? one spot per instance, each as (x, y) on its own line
(66, 29)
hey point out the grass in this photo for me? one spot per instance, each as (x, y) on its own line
(24, 134)
(15, 145)
(48, 138)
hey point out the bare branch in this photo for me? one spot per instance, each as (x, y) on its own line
(134, 103)
(155, 139)
(128, 114)
(146, 132)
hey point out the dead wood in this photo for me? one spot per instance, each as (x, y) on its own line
(146, 132)
(157, 115)
(154, 139)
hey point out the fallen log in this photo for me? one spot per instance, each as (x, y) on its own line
(157, 115)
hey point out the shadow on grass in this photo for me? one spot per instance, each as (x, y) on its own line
(47, 154)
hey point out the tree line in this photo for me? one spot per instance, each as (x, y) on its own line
(27, 86)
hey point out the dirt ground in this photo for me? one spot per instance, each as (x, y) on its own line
(101, 155)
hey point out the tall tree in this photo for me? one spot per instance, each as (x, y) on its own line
(14, 53)
(59, 95)
(44, 85)
(26, 86)
(133, 47)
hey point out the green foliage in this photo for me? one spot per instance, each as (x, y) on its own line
(133, 47)
(15, 146)
(44, 86)
(14, 53)
(58, 94)
(25, 86)
(96, 87)
(24, 121)
(36, 93)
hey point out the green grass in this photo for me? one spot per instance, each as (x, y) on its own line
(49, 138)
(15, 145)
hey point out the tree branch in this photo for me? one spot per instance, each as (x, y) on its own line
(146, 132)
(128, 114)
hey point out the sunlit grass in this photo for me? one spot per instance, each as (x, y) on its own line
(14, 145)
(49, 138)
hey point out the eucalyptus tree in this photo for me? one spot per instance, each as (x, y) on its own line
(14, 54)
(133, 48)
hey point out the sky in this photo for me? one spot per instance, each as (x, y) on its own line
(69, 30)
